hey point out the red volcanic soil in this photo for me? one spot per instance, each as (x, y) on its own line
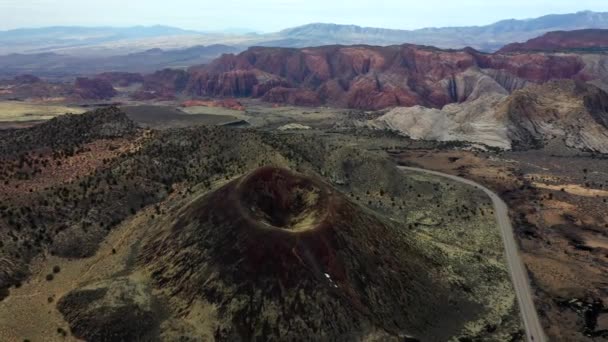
(366, 77)
(223, 103)
(562, 40)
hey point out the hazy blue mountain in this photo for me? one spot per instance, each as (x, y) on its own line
(71, 32)
(488, 38)
(120, 41)
(74, 50)
(59, 37)
(55, 65)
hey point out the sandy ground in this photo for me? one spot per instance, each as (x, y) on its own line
(574, 189)
(597, 242)
(566, 253)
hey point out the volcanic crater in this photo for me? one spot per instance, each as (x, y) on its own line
(274, 198)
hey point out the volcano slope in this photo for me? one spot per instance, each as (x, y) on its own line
(179, 234)
(287, 256)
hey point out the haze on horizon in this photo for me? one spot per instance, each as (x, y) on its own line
(274, 15)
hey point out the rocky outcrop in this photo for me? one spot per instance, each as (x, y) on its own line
(166, 81)
(362, 77)
(574, 112)
(474, 121)
(368, 77)
(292, 96)
(537, 68)
(294, 127)
(235, 83)
(587, 40)
(93, 89)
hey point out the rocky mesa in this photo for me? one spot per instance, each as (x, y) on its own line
(573, 112)
(368, 77)
(581, 40)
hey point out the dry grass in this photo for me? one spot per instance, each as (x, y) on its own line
(24, 111)
(198, 110)
(28, 313)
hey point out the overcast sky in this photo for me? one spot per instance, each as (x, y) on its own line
(272, 15)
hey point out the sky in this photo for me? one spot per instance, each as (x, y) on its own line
(274, 15)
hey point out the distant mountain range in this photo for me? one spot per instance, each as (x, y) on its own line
(589, 40)
(485, 38)
(53, 65)
(57, 51)
(35, 40)
(115, 41)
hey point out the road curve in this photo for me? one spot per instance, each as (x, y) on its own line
(519, 276)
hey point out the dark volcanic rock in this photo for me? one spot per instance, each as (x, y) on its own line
(283, 257)
(113, 310)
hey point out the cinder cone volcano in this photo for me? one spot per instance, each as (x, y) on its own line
(286, 257)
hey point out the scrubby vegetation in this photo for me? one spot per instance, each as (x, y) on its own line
(77, 198)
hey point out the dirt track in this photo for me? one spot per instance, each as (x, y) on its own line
(534, 330)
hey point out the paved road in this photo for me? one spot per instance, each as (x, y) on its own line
(519, 276)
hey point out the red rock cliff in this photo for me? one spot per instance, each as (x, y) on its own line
(367, 77)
